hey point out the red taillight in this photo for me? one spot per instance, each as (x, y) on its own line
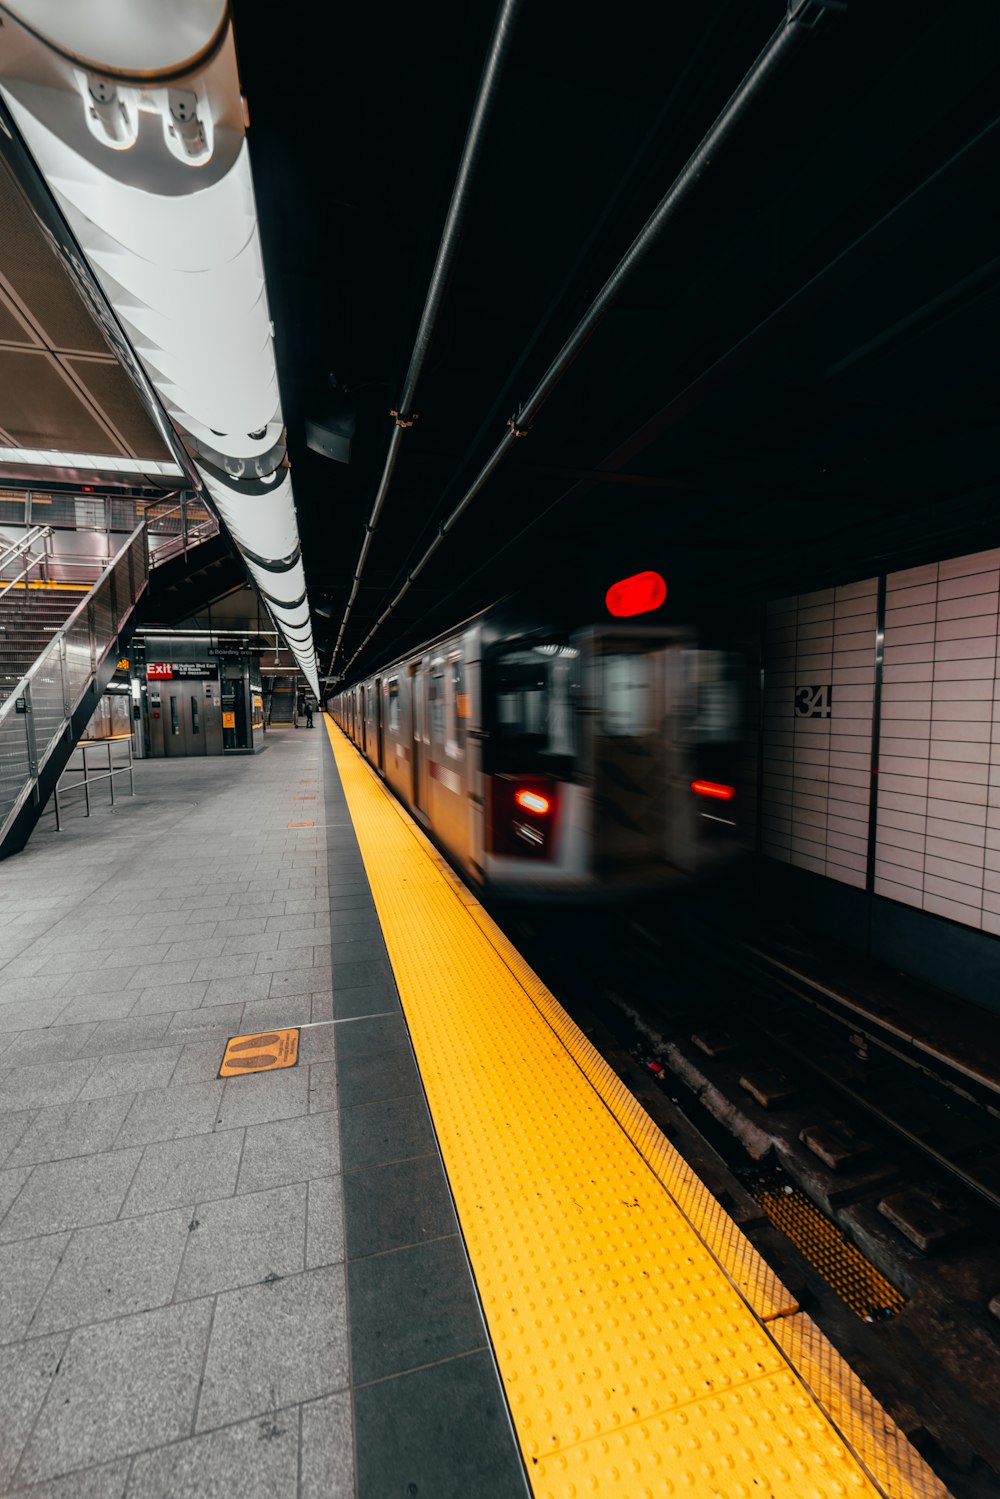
(522, 816)
(713, 789)
(532, 801)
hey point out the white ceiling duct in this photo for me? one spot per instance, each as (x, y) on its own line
(135, 119)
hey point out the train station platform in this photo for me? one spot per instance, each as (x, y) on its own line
(445, 1254)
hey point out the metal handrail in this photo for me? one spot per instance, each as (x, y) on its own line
(189, 535)
(18, 549)
(89, 780)
(26, 542)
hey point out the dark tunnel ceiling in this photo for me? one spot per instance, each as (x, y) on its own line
(800, 384)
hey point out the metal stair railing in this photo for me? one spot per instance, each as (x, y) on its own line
(36, 716)
(177, 529)
(20, 551)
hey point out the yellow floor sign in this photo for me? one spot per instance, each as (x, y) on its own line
(266, 1051)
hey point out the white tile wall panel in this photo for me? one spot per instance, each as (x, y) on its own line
(893, 891)
(969, 583)
(938, 824)
(978, 562)
(826, 639)
(938, 688)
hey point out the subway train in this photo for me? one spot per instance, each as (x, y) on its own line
(609, 759)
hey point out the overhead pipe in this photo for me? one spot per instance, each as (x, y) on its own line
(404, 415)
(802, 16)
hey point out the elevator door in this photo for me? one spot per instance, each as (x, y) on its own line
(184, 726)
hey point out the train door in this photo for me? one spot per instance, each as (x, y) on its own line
(363, 713)
(636, 755)
(418, 756)
(379, 740)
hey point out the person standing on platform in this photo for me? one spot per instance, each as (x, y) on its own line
(309, 714)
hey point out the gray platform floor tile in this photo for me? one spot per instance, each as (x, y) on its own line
(121, 1387)
(239, 989)
(323, 1090)
(256, 1459)
(75, 1129)
(177, 1172)
(60, 1043)
(411, 1308)
(178, 996)
(275, 1345)
(288, 1150)
(134, 1033)
(268, 1014)
(106, 1005)
(325, 1222)
(133, 1072)
(26, 1267)
(26, 1374)
(105, 1482)
(328, 1449)
(413, 1434)
(265, 1097)
(195, 1025)
(169, 1113)
(393, 1206)
(30, 1014)
(12, 1130)
(35, 1086)
(11, 1182)
(242, 1241)
(70, 1194)
(114, 1269)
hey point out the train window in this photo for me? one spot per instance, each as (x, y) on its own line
(532, 697)
(435, 696)
(456, 706)
(717, 677)
(626, 696)
(394, 705)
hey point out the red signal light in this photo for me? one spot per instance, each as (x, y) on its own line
(532, 801)
(714, 790)
(639, 594)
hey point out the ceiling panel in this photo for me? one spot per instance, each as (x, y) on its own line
(41, 409)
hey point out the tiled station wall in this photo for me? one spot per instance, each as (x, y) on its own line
(817, 768)
(938, 812)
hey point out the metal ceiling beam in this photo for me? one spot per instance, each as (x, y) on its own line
(800, 19)
(404, 415)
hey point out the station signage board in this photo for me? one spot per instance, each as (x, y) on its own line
(179, 671)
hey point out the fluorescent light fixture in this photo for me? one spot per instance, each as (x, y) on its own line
(98, 462)
(151, 170)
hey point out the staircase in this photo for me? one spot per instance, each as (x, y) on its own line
(59, 646)
(282, 701)
(30, 616)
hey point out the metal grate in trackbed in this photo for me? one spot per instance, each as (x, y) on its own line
(842, 1265)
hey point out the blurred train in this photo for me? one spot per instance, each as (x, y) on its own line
(611, 758)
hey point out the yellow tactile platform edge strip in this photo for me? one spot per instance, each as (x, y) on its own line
(626, 1311)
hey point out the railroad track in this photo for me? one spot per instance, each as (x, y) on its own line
(867, 1151)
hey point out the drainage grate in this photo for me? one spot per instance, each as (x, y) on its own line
(845, 1269)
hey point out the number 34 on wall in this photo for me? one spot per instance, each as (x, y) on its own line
(813, 702)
